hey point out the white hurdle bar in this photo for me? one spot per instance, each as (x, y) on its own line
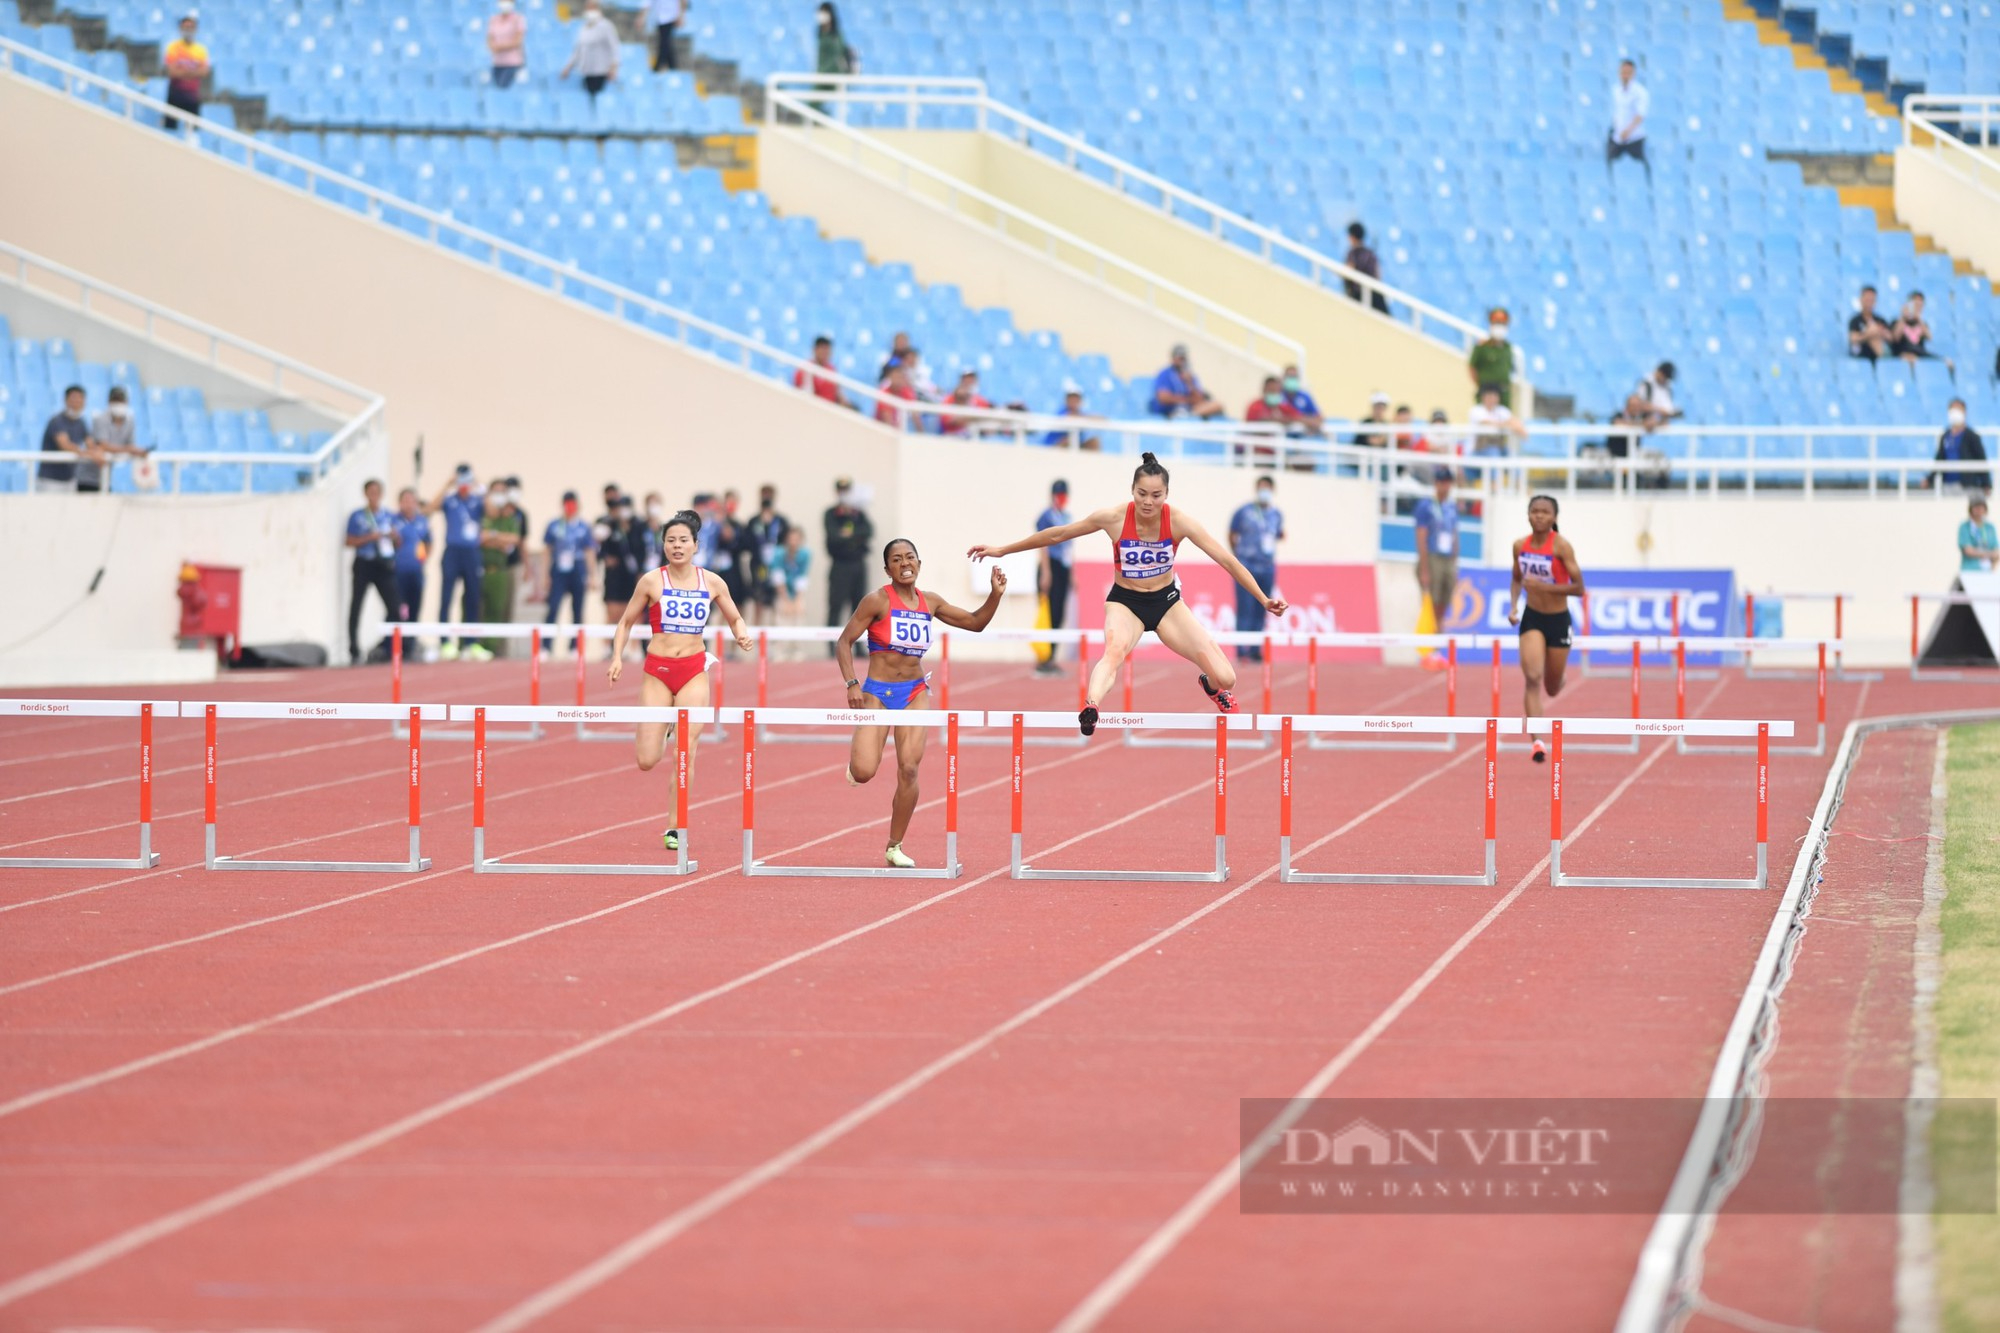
(532, 732)
(1222, 725)
(414, 714)
(1763, 731)
(1448, 741)
(1818, 746)
(145, 712)
(481, 715)
(1836, 643)
(1225, 639)
(949, 720)
(1490, 726)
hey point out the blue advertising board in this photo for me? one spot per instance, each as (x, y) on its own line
(1622, 601)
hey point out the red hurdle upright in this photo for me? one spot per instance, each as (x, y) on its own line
(532, 732)
(1444, 745)
(1818, 746)
(147, 857)
(1194, 742)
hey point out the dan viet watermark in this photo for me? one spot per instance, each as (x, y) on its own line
(1604, 1155)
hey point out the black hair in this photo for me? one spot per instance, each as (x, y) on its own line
(1868, 287)
(372, 481)
(1149, 466)
(832, 14)
(1915, 296)
(1357, 231)
(822, 341)
(900, 541)
(74, 388)
(685, 518)
(1553, 506)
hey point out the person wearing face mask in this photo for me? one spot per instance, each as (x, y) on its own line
(1254, 534)
(68, 437)
(501, 535)
(463, 508)
(622, 552)
(832, 54)
(1492, 360)
(1269, 408)
(371, 535)
(596, 52)
(507, 43)
(571, 546)
(654, 508)
(115, 433)
(413, 547)
(1304, 407)
(1960, 443)
(767, 530)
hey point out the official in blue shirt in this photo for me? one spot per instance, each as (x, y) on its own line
(570, 545)
(1055, 571)
(1254, 534)
(464, 507)
(1437, 544)
(371, 535)
(413, 547)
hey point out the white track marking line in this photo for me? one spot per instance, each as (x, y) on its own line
(1119, 1284)
(592, 1275)
(181, 1219)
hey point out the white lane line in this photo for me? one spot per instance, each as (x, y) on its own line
(1155, 1248)
(169, 1224)
(559, 1294)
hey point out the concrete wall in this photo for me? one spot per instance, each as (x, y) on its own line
(1351, 352)
(917, 220)
(1938, 193)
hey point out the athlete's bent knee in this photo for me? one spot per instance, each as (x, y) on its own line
(1554, 685)
(906, 775)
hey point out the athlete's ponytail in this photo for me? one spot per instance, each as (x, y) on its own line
(1554, 508)
(1149, 466)
(686, 518)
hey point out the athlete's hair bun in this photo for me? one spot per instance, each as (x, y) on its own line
(685, 518)
(1149, 466)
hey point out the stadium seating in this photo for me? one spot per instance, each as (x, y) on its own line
(1946, 46)
(172, 420)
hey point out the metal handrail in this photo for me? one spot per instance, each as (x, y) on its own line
(970, 92)
(776, 101)
(1921, 113)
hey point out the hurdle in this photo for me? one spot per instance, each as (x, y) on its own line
(1818, 746)
(414, 714)
(951, 721)
(480, 715)
(774, 735)
(1080, 637)
(1453, 726)
(1838, 599)
(145, 712)
(1223, 724)
(1763, 731)
(709, 716)
(1600, 643)
(1446, 743)
(1223, 639)
(533, 732)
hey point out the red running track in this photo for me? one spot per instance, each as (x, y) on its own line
(435, 1101)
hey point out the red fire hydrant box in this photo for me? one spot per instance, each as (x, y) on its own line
(211, 603)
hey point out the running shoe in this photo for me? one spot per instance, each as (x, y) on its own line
(895, 858)
(1225, 702)
(1538, 754)
(479, 652)
(448, 651)
(1050, 668)
(671, 839)
(1086, 721)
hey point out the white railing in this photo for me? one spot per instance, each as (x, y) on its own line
(359, 410)
(1945, 122)
(1159, 294)
(918, 93)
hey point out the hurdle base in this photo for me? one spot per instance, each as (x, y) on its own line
(1257, 741)
(1018, 869)
(715, 731)
(1815, 750)
(485, 865)
(145, 860)
(1628, 746)
(417, 861)
(1447, 745)
(1286, 875)
(1557, 879)
(531, 732)
(951, 869)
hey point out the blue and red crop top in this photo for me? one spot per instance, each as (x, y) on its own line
(1139, 559)
(905, 630)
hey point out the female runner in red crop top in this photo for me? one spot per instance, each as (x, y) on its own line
(1545, 566)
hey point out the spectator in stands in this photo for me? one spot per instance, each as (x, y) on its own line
(115, 435)
(463, 510)
(1978, 544)
(768, 529)
(965, 395)
(899, 347)
(832, 55)
(1492, 360)
(507, 43)
(413, 548)
(1073, 439)
(1867, 335)
(1363, 261)
(1052, 578)
(665, 17)
(791, 573)
(596, 52)
(1495, 422)
(1270, 408)
(571, 546)
(821, 383)
(186, 63)
(920, 376)
(1911, 335)
(1254, 534)
(1629, 104)
(1441, 442)
(850, 541)
(1960, 443)
(1651, 402)
(371, 535)
(501, 533)
(1617, 443)
(622, 552)
(1303, 406)
(67, 433)
(1437, 543)
(897, 386)
(1177, 391)
(1378, 413)
(1410, 438)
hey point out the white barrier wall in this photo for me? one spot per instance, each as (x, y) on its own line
(1938, 193)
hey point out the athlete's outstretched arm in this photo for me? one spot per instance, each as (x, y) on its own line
(1100, 521)
(874, 606)
(1191, 528)
(718, 592)
(972, 620)
(642, 597)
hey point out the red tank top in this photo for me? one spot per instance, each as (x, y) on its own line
(1541, 561)
(1139, 559)
(905, 630)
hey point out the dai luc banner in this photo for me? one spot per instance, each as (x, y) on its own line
(1621, 601)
